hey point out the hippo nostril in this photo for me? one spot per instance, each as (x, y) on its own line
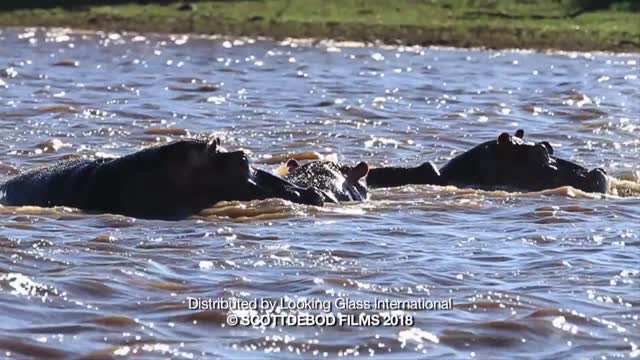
(597, 181)
(520, 133)
(238, 156)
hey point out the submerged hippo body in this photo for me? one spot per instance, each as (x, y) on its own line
(512, 163)
(169, 181)
(425, 174)
(337, 183)
(506, 163)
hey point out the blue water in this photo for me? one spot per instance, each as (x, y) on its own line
(552, 274)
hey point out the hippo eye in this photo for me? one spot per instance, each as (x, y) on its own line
(196, 157)
(230, 160)
(539, 154)
(219, 162)
(504, 138)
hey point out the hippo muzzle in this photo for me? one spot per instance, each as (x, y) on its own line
(596, 181)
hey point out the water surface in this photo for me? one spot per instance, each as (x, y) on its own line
(546, 275)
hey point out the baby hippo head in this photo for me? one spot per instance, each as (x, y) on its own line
(336, 182)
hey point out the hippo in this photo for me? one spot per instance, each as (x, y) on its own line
(170, 182)
(509, 163)
(513, 163)
(390, 176)
(336, 183)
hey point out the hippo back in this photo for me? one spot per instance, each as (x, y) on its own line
(62, 184)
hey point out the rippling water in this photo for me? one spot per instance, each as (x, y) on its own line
(552, 274)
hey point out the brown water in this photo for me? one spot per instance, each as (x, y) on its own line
(545, 275)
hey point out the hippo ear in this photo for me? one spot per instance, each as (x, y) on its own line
(504, 138)
(212, 146)
(548, 146)
(292, 164)
(358, 172)
(520, 134)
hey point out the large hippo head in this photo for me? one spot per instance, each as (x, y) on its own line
(513, 163)
(168, 181)
(336, 182)
(202, 174)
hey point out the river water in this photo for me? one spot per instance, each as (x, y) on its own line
(545, 275)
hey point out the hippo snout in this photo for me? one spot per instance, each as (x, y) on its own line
(239, 156)
(311, 196)
(427, 173)
(597, 181)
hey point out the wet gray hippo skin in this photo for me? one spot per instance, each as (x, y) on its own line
(336, 182)
(507, 163)
(169, 181)
(426, 173)
(512, 163)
